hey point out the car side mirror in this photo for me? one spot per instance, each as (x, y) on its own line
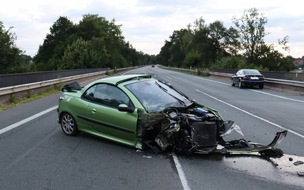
(125, 108)
(71, 87)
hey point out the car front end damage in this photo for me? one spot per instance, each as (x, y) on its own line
(197, 129)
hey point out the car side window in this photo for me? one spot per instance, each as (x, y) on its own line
(107, 95)
(89, 94)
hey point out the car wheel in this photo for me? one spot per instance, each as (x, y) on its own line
(68, 124)
(232, 83)
(261, 86)
(240, 84)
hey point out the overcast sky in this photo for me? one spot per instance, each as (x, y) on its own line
(146, 24)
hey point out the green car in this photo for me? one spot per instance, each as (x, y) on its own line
(143, 112)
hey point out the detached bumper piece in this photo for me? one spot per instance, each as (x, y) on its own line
(247, 147)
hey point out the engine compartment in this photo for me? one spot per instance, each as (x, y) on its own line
(199, 130)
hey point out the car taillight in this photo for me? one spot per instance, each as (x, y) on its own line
(245, 78)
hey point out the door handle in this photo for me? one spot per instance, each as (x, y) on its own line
(93, 110)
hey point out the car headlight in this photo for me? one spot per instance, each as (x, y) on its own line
(61, 98)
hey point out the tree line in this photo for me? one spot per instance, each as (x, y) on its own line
(203, 45)
(95, 42)
(92, 43)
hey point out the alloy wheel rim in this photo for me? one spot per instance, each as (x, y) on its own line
(67, 124)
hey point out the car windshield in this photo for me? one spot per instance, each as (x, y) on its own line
(156, 96)
(251, 72)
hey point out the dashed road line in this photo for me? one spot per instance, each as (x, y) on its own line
(251, 114)
(19, 123)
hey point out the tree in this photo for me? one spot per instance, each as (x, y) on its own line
(97, 54)
(192, 59)
(95, 26)
(217, 33)
(283, 43)
(177, 49)
(273, 60)
(75, 56)
(10, 54)
(164, 54)
(200, 45)
(231, 42)
(90, 54)
(251, 28)
(203, 43)
(92, 26)
(49, 55)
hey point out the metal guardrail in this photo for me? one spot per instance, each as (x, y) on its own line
(273, 83)
(285, 82)
(21, 90)
(35, 85)
(269, 80)
(294, 76)
(13, 79)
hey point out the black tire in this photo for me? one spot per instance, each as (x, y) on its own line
(261, 86)
(68, 124)
(240, 84)
(232, 82)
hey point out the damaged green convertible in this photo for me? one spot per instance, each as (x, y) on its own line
(142, 112)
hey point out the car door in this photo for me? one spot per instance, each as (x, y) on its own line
(104, 117)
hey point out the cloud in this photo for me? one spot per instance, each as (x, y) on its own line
(146, 24)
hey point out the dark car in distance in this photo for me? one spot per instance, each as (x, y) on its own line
(247, 78)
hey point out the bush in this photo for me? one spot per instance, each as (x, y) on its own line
(203, 73)
(228, 63)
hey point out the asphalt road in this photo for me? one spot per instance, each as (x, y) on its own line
(35, 154)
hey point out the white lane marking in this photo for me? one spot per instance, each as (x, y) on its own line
(277, 96)
(251, 114)
(176, 161)
(181, 173)
(15, 125)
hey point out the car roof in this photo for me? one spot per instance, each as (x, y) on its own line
(115, 80)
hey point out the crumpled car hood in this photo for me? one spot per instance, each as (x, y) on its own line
(197, 129)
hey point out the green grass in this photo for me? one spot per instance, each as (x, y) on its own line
(13, 101)
(188, 71)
